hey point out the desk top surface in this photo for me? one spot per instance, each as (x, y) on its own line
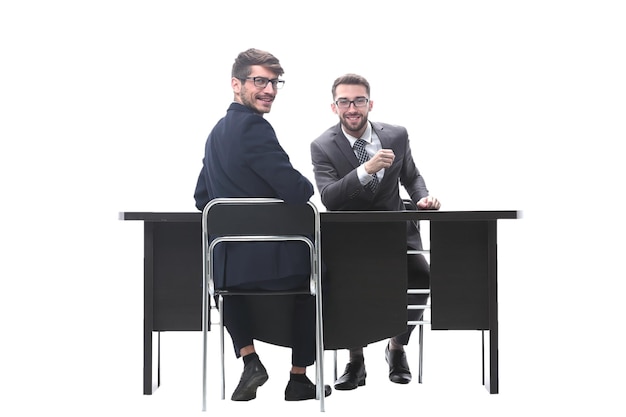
(346, 216)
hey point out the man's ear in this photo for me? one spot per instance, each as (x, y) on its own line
(235, 83)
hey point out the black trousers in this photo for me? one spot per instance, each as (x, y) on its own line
(238, 321)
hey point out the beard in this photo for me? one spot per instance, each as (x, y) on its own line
(350, 125)
(247, 100)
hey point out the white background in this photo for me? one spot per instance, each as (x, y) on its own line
(105, 107)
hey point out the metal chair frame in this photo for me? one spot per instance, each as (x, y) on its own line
(252, 235)
(410, 205)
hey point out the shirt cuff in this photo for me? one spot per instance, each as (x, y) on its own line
(364, 177)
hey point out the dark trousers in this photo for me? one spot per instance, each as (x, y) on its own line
(418, 277)
(237, 319)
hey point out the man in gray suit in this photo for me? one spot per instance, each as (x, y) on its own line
(359, 165)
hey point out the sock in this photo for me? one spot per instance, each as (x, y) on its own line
(299, 378)
(356, 355)
(393, 345)
(249, 357)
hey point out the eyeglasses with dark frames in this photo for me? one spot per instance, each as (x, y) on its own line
(261, 82)
(344, 103)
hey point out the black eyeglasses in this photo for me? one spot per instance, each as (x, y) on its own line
(344, 103)
(262, 82)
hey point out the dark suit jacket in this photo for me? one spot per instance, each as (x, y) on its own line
(335, 164)
(243, 158)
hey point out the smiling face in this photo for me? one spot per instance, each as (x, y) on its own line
(257, 99)
(353, 118)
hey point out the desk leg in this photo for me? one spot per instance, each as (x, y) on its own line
(490, 361)
(490, 356)
(149, 348)
(464, 294)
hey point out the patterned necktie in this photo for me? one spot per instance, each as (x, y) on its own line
(359, 147)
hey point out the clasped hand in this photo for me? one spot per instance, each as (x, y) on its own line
(382, 159)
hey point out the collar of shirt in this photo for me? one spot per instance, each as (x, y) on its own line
(370, 137)
(366, 136)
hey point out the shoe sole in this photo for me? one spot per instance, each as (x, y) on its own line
(361, 383)
(314, 397)
(400, 381)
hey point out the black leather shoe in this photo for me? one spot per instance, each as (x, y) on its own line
(398, 366)
(254, 375)
(298, 391)
(353, 377)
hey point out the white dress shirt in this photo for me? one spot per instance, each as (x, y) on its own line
(373, 146)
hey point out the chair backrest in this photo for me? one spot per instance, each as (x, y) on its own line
(259, 216)
(260, 220)
(409, 204)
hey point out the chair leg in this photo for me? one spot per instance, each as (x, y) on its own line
(205, 309)
(421, 352)
(223, 371)
(335, 364)
(319, 341)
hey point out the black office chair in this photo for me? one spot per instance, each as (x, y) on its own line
(259, 220)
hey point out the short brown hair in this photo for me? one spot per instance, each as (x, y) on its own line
(243, 62)
(351, 79)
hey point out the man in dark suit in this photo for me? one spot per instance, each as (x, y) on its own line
(359, 165)
(243, 158)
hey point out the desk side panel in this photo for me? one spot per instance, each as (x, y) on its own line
(459, 270)
(177, 284)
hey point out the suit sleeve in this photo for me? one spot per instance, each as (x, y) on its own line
(337, 192)
(410, 176)
(269, 161)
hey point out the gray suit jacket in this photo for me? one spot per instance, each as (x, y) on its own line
(335, 164)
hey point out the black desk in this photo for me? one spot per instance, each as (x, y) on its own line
(463, 259)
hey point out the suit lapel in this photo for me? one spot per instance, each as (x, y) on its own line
(382, 135)
(343, 144)
(385, 143)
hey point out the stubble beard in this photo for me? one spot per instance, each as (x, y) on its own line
(349, 127)
(251, 105)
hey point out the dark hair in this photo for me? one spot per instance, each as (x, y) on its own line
(243, 62)
(352, 79)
